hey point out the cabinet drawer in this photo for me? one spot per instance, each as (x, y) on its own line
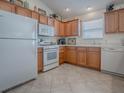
(70, 48)
(93, 49)
(81, 49)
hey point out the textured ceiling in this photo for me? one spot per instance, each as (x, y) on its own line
(77, 7)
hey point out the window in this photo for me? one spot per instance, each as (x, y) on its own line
(93, 29)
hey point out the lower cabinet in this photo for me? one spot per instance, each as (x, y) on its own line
(81, 56)
(93, 60)
(61, 55)
(40, 60)
(71, 55)
(87, 57)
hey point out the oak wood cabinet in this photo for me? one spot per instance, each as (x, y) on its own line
(94, 58)
(7, 6)
(111, 22)
(71, 55)
(35, 15)
(61, 55)
(121, 20)
(68, 29)
(50, 21)
(43, 19)
(72, 28)
(61, 29)
(23, 11)
(40, 60)
(81, 56)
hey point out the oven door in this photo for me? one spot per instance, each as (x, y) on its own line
(51, 56)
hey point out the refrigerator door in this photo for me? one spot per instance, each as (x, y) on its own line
(18, 62)
(16, 26)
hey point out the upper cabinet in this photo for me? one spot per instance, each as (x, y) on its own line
(7, 6)
(121, 20)
(111, 22)
(114, 21)
(35, 15)
(61, 29)
(23, 11)
(43, 19)
(72, 28)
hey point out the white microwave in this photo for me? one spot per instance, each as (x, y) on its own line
(45, 30)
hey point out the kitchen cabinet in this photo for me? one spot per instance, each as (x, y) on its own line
(71, 55)
(23, 11)
(50, 21)
(75, 28)
(72, 28)
(81, 56)
(35, 15)
(43, 19)
(40, 60)
(68, 29)
(94, 58)
(61, 29)
(111, 22)
(61, 55)
(7, 6)
(121, 20)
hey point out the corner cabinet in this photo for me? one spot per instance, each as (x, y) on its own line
(72, 28)
(6, 6)
(114, 21)
(35, 15)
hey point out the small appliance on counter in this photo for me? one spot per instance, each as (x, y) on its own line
(62, 41)
(71, 41)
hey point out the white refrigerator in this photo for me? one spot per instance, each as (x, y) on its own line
(18, 50)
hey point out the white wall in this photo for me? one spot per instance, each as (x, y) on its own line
(109, 39)
(39, 4)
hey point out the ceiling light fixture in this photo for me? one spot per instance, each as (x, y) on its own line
(67, 10)
(89, 8)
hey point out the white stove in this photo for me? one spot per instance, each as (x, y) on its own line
(50, 57)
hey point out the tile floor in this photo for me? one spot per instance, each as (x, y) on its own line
(72, 79)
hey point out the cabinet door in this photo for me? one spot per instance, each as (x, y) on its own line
(61, 55)
(71, 55)
(93, 60)
(56, 26)
(61, 29)
(74, 26)
(35, 16)
(7, 6)
(111, 22)
(43, 19)
(121, 20)
(68, 28)
(40, 60)
(81, 56)
(23, 11)
(50, 21)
